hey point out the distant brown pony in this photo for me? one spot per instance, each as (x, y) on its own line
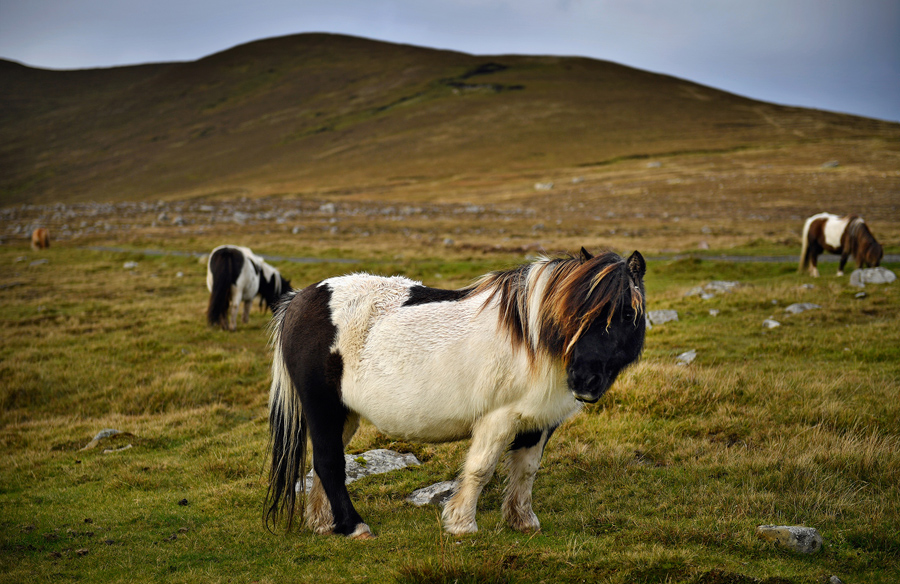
(40, 239)
(847, 236)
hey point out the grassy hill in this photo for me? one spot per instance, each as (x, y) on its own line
(328, 114)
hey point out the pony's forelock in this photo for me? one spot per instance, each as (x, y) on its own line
(572, 294)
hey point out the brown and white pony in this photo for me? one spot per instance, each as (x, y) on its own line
(40, 239)
(847, 236)
(502, 362)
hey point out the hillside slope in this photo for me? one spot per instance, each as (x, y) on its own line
(318, 113)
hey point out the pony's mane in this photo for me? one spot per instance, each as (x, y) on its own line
(862, 243)
(548, 304)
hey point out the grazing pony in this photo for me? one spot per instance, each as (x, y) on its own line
(504, 361)
(40, 239)
(235, 274)
(847, 236)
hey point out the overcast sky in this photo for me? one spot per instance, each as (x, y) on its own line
(838, 55)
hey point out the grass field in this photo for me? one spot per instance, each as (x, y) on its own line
(665, 480)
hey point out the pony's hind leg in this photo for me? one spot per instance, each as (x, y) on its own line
(523, 461)
(328, 490)
(247, 304)
(491, 436)
(233, 309)
(318, 510)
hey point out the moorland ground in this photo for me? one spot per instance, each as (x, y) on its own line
(665, 479)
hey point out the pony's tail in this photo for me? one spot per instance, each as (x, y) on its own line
(222, 274)
(287, 437)
(804, 248)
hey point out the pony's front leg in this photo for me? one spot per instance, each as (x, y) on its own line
(844, 257)
(523, 462)
(246, 317)
(490, 438)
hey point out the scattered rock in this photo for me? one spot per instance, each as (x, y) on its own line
(804, 540)
(547, 186)
(179, 275)
(130, 265)
(860, 295)
(662, 316)
(686, 358)
(879, 275)
(808, 286)
(770, 323)
(448, 242)
(714, 312)
(38, 262)
(654, 164)
(722, 285)
(703, 245)
(100, 436)
(436, 494)
(831, 164)
(835, 580)
(83, 552)
(376, 461)
(801, 307)
(711, 289)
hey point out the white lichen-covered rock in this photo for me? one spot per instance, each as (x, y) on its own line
(804, 540)
(879, 275)
(658, 317)
(106, 433)
(770, 323)
(436, 494)
(373, 462)
(722, 286)
(799, 307)
(686, 358)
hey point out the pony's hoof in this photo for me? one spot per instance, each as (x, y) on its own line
(362, 532)
(466, 529)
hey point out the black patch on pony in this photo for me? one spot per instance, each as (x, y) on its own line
(425, 295)
(530, 438)
(225, 264)
(271, 291)
(308, 334)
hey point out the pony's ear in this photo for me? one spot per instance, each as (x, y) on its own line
(637, 267)
(585, 256)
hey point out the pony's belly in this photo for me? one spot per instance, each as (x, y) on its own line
(442, 412)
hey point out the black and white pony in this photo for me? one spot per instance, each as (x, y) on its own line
(504, 361)
(847, 236)
(235, 274)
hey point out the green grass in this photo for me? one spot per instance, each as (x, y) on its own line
(664, 480)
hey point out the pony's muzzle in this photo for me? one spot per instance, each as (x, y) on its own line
(588, 390)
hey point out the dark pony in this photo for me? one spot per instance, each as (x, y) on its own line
(504, 362)
(236, 275)
(847, 236)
